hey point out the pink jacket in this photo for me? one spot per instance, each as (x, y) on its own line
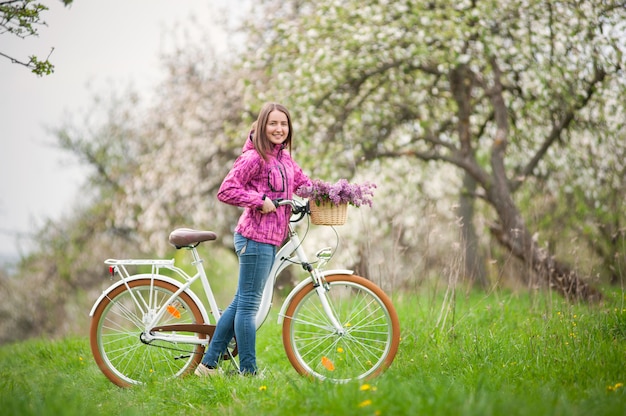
(249, 179)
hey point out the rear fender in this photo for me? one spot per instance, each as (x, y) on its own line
(155, 277)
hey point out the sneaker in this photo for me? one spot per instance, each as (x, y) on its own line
(262, 374)
(204, 371)
(257, 374)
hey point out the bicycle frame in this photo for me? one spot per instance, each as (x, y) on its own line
(289, 254)
(119, 267)
(291, 250)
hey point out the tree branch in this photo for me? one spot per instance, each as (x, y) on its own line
(36, 66)
(559, 128)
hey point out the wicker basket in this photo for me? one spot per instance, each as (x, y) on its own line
(328, 213)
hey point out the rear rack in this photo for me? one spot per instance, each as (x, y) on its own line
(140, 262)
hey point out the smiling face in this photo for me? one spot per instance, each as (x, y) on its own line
(277, 127)
(272, 127)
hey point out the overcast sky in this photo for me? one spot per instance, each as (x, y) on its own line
(97, 43)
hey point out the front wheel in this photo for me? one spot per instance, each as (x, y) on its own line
(364, 347)
(119, 344)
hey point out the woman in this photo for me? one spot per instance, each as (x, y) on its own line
(263, 172)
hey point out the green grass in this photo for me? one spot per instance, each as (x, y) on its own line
(497, 354)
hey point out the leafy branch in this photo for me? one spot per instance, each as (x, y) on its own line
(21, 18)
(38, 67)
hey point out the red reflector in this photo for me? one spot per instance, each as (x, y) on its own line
(112, 270)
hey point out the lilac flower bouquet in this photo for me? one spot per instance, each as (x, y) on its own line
(339, 193)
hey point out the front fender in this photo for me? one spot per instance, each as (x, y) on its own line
(155, 277)
(299, 287)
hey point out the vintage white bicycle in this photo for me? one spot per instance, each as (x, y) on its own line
(335, 325)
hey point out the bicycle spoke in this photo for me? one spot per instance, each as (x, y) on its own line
(364, 345)
(119, 327)
(125, 314)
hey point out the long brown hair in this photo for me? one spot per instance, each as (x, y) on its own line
(259, 137)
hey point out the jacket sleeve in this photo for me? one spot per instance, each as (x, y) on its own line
(235, 189)
(299, 178)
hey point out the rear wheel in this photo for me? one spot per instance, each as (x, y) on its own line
(363, 348)
(118, 343)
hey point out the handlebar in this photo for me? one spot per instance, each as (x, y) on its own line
(296, 207)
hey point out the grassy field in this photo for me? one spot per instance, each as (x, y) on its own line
(497, 354)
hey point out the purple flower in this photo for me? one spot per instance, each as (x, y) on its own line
(341, 192)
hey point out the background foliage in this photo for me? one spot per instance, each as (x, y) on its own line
(399, 93)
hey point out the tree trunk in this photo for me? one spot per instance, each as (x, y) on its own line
(474, 260)
(542, 268)
(461, 83)
(512, 231)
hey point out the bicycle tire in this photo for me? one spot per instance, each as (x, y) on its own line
(116, 328)
(372, 331)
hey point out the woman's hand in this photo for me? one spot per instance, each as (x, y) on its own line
(268, 206)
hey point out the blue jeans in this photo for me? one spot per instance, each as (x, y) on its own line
(255, 262)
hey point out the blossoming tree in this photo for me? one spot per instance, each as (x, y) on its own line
(490, 87)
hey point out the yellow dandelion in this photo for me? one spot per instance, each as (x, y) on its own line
(339, 350)
(365, 387)
(262, 388)
(615, 387)
(365, 403)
